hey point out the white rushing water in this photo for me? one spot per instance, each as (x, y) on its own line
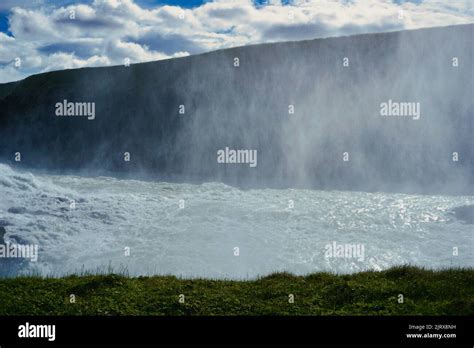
(199, 239)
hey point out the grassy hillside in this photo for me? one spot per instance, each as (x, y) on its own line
(425, 292)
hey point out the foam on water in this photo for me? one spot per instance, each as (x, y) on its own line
(199, 240)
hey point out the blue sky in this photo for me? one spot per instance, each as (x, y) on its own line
(42, 35)
(7, 5)
(4, 22)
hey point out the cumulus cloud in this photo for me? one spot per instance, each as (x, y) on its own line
(106, 32)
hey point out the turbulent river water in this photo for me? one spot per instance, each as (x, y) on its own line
(213, 230)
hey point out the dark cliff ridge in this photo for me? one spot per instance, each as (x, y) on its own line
(336, 110)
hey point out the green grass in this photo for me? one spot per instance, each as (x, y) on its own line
(426, 292)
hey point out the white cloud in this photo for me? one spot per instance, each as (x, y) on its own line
(106, 32)
(69, 61)
(8, 4)
(31, 25)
